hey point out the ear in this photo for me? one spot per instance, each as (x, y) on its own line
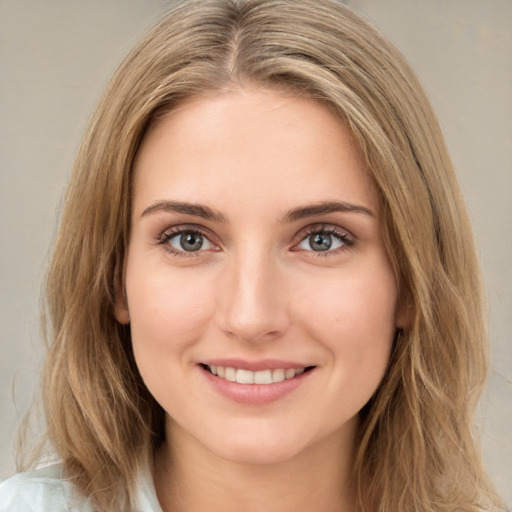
(121, 311)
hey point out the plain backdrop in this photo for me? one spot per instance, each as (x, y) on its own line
(57, 55)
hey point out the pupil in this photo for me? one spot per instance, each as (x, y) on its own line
(191, 241)
(320, 242)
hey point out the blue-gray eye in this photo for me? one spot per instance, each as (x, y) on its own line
(189, 242)
(321, 242)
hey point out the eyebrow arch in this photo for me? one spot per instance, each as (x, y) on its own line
(322, 208)
(196, 210)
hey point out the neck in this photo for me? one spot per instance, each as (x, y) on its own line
(190, 478)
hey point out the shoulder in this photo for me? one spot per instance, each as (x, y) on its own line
(41, 490)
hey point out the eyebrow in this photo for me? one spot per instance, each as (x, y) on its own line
(323, 208)
(294, 215)
(196, 210)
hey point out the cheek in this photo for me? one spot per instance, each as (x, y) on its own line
(353, 315)
(168, 313)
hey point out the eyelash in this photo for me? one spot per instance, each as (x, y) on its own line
(170, 233)
(343, 236)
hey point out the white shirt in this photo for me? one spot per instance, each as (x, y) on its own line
(45, 490)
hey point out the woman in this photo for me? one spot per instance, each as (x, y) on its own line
(264, 291)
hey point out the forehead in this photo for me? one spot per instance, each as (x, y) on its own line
(255, 144)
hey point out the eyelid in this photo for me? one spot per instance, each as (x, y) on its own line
(344, 235)
(179, 229)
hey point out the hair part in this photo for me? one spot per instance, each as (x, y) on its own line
(415, 447)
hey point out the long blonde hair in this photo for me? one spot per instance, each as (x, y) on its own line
(415, 446)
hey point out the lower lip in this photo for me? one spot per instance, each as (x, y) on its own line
(255, 394)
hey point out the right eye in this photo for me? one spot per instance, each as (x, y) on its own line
(185, 241)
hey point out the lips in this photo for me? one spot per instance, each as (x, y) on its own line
(255, 383)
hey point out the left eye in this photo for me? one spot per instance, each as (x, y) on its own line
(321, 242)
(189, 241)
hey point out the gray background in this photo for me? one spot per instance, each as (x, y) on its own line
(57, 55)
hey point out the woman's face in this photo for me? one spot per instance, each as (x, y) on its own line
(256, 254)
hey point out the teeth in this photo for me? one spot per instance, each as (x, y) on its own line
(263, 377)
(249, 377)
(230, 374)
(245, 377)
(288, 374)
(277, 375)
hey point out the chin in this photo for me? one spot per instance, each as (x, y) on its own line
(259, 446)
(260, 454)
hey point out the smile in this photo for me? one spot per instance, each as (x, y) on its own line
(243, 376)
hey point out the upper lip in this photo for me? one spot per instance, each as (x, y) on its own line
(255, 366)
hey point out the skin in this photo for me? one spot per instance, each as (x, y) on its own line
(257, 290)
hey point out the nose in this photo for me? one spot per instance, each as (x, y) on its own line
(252, 303)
